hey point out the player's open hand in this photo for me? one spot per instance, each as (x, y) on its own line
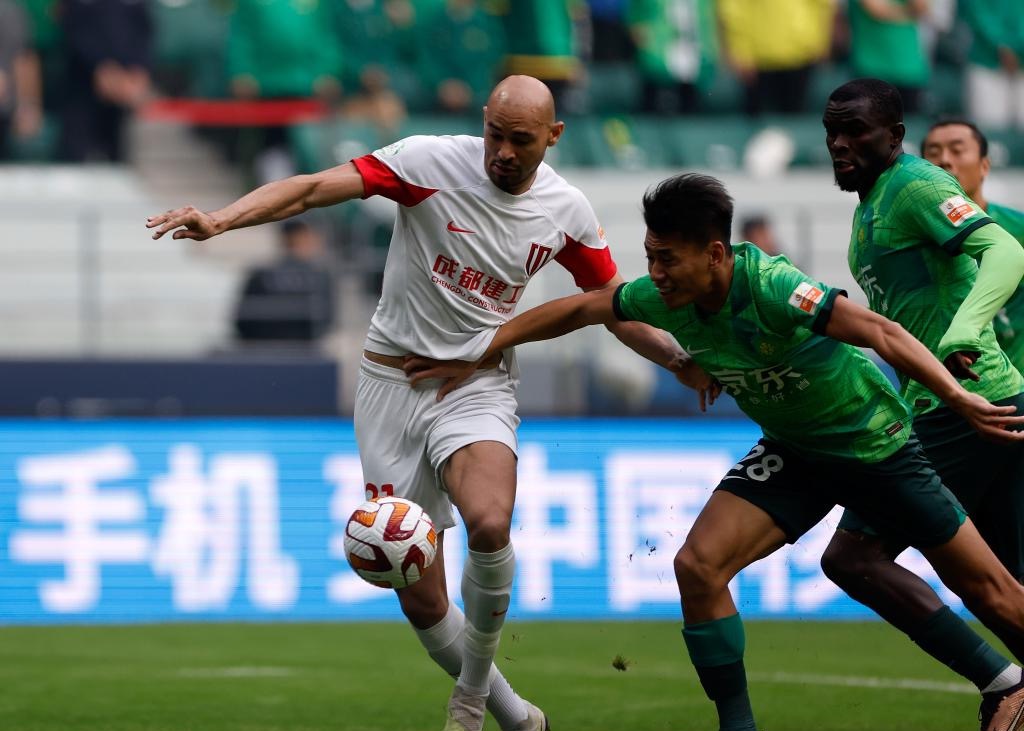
(994, 423)
(454, 372)
(959, 364)
(190, 222)
(688, 373)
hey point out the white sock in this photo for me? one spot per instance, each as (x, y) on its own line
(1007, 679)
(443, 642)
(486, 593)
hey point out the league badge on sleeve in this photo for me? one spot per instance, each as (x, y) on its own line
(806, 297)
(957, 209)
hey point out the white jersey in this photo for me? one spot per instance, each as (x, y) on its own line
(463, 250)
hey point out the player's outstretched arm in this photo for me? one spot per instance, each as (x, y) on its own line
(1000, 269)
(545, 322)
(271, 202)
(662, 349)
(857, 325)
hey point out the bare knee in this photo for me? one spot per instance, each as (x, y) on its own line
(423, 606)
(697, 575)
(488, 532)
(849, 562)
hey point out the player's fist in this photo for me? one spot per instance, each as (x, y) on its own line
(959, 364)
(190, 222)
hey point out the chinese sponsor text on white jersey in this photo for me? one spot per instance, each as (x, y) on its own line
(463, 250)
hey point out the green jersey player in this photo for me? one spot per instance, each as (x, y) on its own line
(835, 430)
(916, 238)
(961, 149)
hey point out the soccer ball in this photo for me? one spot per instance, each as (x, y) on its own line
(390, 542)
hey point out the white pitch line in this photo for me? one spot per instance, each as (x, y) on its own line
(236, 672)
(853, 681)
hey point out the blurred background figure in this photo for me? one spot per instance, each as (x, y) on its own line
(279, 49)
(458, 50)
(886, 43)
(541, 38)
(757, 229)
(994, 76)
(377, 38)
(20, 82)
(774, 48)
(107, 51)
(676, 51)
(291, 299)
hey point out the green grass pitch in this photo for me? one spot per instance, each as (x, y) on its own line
(374, 677)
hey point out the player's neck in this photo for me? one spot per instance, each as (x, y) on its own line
(863, 191)
(978, 197)
(714, 299)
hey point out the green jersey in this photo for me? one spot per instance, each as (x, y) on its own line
(905, 252)
(1009, 323)
(818, 396)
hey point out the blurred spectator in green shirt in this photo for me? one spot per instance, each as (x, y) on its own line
(378, 38)
(885, 43)
(676, 42)
(995, 70)
(458, 52)
(283, 48)
(541, 42)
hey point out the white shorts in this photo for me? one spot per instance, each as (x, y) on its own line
(405, 436)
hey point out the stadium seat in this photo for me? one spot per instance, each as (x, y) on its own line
(613, 88)
(714, 143)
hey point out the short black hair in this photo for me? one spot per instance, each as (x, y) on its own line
(696, 208)
(979, 136)
(885, 98)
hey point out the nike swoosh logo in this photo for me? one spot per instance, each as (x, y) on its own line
(456, 230)
(691, 351)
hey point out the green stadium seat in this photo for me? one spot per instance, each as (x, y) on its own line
(40, 148)
(724, 95)
(440, 124)
(714, 143)
(613, 88)
(807, 133)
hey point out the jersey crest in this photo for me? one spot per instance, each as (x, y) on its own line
(539, 256)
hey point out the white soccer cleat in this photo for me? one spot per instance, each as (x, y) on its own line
(535, 720)
(465, 711)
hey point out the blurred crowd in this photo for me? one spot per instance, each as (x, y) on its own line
(71, 70)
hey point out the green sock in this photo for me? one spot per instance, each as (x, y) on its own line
(952, 642)
(716, 650)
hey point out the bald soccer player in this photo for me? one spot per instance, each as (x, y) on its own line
(477, 218)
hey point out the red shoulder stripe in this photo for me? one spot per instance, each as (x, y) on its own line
(589, 267)
(379, 179)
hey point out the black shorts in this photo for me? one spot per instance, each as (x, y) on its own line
(902, 495)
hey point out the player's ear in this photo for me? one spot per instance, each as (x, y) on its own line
(986, 166)
(898, 132)
(555, 132)
(716, 253)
